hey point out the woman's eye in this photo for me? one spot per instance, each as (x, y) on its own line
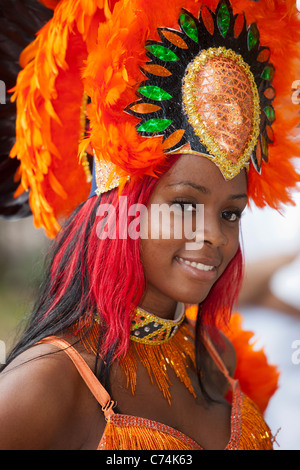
(184, 205)
(232, 216)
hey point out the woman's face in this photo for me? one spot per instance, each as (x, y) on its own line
(170, 276)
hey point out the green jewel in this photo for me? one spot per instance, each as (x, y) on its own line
(223, 19)
(268, 73)
(270, 113)
(155, 125)
(162, 52)
(154, 93)
(189, 26)
(253, 36)
(264, 144)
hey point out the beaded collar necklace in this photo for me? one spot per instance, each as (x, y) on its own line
(159, 345)
(147, 328)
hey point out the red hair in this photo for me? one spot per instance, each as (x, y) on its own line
(217, 307)
(112, 280)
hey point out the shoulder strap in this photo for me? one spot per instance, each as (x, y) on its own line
(87, 375)
(217, 359)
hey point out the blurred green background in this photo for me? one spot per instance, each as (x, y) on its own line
(23, 249)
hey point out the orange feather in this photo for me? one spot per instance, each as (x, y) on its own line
(97, 47)
(257, 377)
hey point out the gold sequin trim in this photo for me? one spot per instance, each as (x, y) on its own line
(107, 177)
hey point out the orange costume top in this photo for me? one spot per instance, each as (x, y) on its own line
(124, 432)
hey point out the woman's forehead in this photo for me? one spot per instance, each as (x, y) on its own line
(199, 171)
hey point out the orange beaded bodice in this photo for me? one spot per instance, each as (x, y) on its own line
(248, 431)
(125, 432)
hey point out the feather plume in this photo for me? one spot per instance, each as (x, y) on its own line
(49, 126)
(19, 21)
(257, 377)
(97, 48)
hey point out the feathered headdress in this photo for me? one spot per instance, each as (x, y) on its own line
(133, 81)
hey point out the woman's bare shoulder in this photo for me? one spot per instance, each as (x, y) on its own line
(38, 395)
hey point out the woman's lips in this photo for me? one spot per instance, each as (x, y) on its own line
(202, 271)
(198, 265)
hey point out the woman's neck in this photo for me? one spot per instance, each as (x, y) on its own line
(161, 310)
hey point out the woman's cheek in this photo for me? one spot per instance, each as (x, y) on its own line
(162, 223)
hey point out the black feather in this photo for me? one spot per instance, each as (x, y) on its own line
(19, 23)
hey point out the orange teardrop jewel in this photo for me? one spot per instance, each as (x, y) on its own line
(222, 104)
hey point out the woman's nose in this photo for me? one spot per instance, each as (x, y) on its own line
(213, 231)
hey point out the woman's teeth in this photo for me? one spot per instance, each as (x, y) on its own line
(200, 266)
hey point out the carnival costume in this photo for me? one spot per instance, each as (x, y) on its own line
(114, 88)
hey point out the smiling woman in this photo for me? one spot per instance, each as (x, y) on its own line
(174, 271)
(112, 324)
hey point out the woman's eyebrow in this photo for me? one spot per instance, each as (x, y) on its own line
(238, 196)
(200, 188)
(205, 190)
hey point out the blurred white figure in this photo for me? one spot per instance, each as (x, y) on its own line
(270, 304)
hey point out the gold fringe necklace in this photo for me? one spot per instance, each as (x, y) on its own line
(159, 344)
